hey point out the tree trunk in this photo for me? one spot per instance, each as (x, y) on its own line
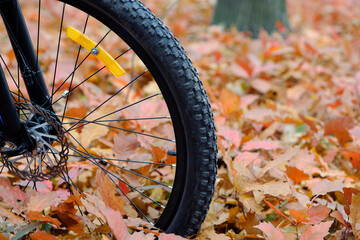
(251, 15)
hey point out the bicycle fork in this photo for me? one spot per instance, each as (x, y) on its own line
(11, 128)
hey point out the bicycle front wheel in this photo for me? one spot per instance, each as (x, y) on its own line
(130, 103)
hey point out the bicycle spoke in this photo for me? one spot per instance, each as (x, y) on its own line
(123, 129)
(82, 82)
(127, 184)
(73, 75)
(169, 9)
(116, 120)
(71, 183)
(82, 61)
(138, 174)
(118, 110)
(136, 132)
(108, 99)
(57, 51)
(65, 176)
(121, 160)
(89, 157)
(12, 77)
(98, 165)
(2, 168)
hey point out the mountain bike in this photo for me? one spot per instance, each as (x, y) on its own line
(103, 84)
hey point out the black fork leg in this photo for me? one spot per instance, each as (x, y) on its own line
(11, 129)
(10, 125)
(24, 51)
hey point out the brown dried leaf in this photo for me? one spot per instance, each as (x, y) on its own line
(295, 174)
(42, 235)
(39, 201)
(316, 232)
(38, 216)
(72, 222)
(324, 186)
(271, 232)
(300, 216)
(2, 237)
(354, 217)
(318, 213)
(125, 145)
(116, 223)
(107, 190)
(339, 127)
(11, 216)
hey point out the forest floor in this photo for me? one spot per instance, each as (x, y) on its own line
(286, 110)
(287, 114)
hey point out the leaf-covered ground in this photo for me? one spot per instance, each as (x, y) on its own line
(287, 114)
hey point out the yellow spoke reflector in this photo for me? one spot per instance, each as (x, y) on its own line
(100, 53)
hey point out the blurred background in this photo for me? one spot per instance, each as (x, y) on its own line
(284, 82)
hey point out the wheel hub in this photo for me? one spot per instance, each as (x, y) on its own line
(49, 153)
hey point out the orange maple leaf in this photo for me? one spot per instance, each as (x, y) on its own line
(296, 175)
(300, 216)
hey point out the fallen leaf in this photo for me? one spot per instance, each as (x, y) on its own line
(76, 112)
(261, 85)
(348, 192)
(355, 133)
(325, 186)
(274, 188)
(2, 237)
(260, 114)
(352, 156)
(304, 161)
(280, 159)
(158, 153)
(318, 213)
(261, 144)
(277, 210)
(232, 135)
(24, 231)
(40, 201)
(248, 99)
(354, 217)
(107, 190)
(295, 174)
(339, 127)
(165, 236)
(271, 232)
(42, 235)
(230, 103)
(125, 145)
(307, 120)
(71, 221)
(11, 216)
(316, 232)
(336, 214)
(38, 216)
(300, 216)
(116, 223)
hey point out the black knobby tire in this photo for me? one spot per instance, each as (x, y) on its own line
(187, 102)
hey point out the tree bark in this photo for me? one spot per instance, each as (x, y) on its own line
(251, 15)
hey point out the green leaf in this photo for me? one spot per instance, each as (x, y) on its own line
(270, 217)
(26, 230)
(46, 227)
